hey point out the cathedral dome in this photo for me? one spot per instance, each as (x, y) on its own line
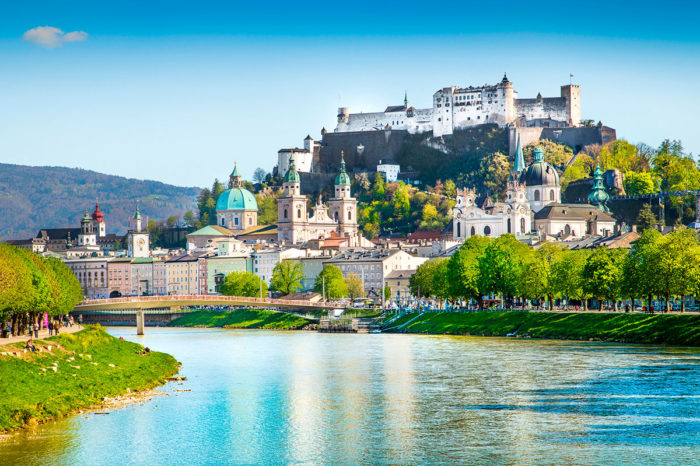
(236, 199)
(540, 173)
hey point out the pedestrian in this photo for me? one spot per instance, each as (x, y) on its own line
(36, 330)
(50, 327)
(80, 319)
(31, 329)
(56, 327)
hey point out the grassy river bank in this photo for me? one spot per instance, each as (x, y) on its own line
(71, 372)
(242, 318)
(679, 330)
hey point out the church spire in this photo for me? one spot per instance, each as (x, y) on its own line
(598, 196)
(405, 99)
(519, 165)
(342, 178)
(235, 180)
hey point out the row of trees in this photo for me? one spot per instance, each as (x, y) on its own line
(656, 266)
(31, 285)
(288, 277)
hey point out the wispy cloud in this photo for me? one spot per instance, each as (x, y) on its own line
(51, 37)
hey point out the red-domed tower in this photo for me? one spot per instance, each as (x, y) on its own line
(98, 220)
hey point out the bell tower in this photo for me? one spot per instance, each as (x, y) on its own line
(292, 217)
(343, 207)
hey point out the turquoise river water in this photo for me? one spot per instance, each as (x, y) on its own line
(304, 397)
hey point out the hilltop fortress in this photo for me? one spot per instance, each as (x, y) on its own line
(462, 122)
(461, 107)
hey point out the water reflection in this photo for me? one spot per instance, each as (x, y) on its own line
(261, 396)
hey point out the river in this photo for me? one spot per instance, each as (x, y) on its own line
(265, 396)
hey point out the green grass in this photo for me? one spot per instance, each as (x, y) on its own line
(681, 330)
(32, 392)
(242, 318)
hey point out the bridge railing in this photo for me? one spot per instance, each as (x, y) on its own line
(206, 298)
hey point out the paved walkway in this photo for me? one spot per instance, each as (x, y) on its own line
(42, 335)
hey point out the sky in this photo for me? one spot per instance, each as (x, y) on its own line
(177, 91)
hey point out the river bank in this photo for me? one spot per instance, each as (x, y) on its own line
(679, 330)
(72, 372)
(242, 318)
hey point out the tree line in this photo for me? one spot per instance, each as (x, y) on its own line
(31, 285)
(656, 266)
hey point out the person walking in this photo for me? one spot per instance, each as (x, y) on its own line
(36, 330)
(56, 327)
(50, 327)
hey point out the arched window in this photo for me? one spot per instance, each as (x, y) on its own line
(551, 194)
(508, 225)
(522, 225)
(487, 230)
(349, 215)
(222, 221)
(336, 216)
(298, 213)
(459, 230)
(285, 213)
(537, 195)
(567, 229)
(250, 220)
(473, 232)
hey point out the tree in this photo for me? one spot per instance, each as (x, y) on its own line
(501, 266)
(567, 275)
(450, 189)
(267, 207)
(171, 221)
(335, 286)
(259, 175)
(243, 284)
(640, 266)
(463, 269)
(287, 276)
(188, 218)
(378, 187)
(554, 153)
(421, 282)
(494, 172)
(640, 183)
(623, 156)
(603, 274)
(646, 218)
(581, 168)
(677, 269)
(537, 275)
(355, 286)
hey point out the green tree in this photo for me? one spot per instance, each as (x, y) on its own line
(259, 175)
(603, 274)
(501, 266)
(537, 272)
(356, 288)
(189, 219)
(677, 267)
(421, 282)
(646, 218)
(494, 172)
(287, 276)
(463, 270)
(581, 168)
(243, 284)
(640, 183)
(566, 275)
(378, 187)
(623, 156)
(554, 153)
(640, 266)
(335, 285)
(450, 189)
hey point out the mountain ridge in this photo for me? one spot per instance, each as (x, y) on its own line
(35, 197)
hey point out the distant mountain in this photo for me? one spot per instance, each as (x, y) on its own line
(53, 197)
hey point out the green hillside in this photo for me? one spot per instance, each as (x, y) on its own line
(53, 197)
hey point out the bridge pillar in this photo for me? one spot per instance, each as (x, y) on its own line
(139, 322)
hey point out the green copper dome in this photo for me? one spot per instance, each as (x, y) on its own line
(236, 199)
(540, 173)
(598, 196)
(342, 177)
(86, 218)
(137, 215)
(291, 176)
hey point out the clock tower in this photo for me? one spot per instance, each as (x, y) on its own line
(138, 240)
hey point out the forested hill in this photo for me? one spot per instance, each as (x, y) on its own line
(53, 197)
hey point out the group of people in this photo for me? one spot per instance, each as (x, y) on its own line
(54, 326)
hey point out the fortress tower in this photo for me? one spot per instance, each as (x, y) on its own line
(572, 94)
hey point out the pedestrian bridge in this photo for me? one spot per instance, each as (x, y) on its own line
(175, 302)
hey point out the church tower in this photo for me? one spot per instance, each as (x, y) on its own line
(138, 240)
(98, 220)
(87, 236)
(291, 208)
(343, 207)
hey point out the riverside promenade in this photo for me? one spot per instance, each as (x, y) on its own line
(42, 334)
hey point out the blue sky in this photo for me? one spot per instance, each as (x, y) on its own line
(176, 91)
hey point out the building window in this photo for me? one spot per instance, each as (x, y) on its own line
(285, 213)
(459, 230)
(487, 230)
(235, 221)
(551, 194)
(537, 195)
(522, 225)
(298, 213)
(349, 215)
(509, 226)
(473, 232)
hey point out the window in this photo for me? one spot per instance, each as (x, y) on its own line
(298, 213)
(487, 230)
(508, 225)
(285, 213)
(235, 221)
(349, 215)
(459, 230)
(537, 195)
(250, 220)
(551, 194)
(336, 216)
(522, 225)
(473, 232)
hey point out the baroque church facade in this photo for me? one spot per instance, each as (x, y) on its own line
(296, 225)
